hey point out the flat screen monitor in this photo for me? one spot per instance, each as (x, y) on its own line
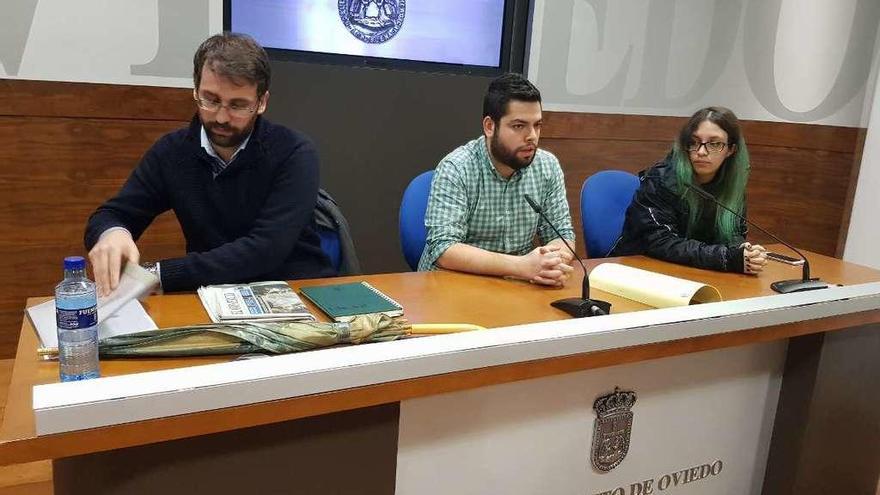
(459, 35)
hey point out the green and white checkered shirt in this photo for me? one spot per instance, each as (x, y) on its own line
(472, 203)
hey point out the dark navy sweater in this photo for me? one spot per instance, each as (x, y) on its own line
(254, 221)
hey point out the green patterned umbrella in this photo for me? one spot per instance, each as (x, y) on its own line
(276, 337)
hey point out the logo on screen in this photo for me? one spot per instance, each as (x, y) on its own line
(372, 21)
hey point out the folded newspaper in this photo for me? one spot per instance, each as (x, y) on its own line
(263, 301)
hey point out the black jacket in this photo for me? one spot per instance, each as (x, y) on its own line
(656, 225)
(328, 216)
(254, 221)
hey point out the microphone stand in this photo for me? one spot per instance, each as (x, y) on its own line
(781, 286)
(578, 307)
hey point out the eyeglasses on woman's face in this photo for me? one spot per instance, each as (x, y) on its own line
(711, 146)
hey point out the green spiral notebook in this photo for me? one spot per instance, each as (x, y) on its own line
(343, 302)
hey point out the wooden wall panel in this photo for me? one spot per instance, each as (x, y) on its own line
(66, 147)
(615, 127)
(801, 182)
(78, 100)
(851, 194)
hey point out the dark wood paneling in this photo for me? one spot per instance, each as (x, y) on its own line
(66, 148)
(622, 127)
(851, 196)
(801, 181)
(102, 101)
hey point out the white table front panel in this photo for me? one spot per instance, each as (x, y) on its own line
(533, 437)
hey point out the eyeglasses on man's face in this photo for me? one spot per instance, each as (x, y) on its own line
(234, 109)
(711, 146)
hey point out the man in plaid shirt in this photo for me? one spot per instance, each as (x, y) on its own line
(478, 220)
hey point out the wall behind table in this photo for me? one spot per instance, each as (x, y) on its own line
(800, 185)
(66, 148)
(376, 130)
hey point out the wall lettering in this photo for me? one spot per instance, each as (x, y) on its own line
(761, 22)
(15, 26)
(757, 21)
(182, 27)
(659, 60)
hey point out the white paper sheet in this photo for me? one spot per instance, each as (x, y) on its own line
(128, 318)
(119, 313)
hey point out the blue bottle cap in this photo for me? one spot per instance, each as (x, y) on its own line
(74, 263)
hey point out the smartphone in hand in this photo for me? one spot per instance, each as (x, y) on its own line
(788, 260)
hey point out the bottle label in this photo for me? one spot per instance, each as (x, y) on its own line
(72, 319)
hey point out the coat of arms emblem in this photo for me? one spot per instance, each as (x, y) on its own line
(372, 21)
(611, 432)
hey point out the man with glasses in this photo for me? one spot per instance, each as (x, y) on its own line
(243, 189)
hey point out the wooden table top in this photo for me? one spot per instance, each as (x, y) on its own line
(435, 297)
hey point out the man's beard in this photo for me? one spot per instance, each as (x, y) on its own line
(232, 140)
(508, 157)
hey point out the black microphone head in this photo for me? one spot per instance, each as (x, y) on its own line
(532, 203)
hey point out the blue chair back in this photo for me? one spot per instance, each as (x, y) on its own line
(330, 245)
(605, 197)
(412, 218)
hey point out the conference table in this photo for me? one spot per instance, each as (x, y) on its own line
(793, 378)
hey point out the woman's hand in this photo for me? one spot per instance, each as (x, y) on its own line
(754, 258)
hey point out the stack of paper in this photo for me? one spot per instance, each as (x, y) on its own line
(118, 314)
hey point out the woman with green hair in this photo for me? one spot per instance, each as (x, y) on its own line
(668, 220)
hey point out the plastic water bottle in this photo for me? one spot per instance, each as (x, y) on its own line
(76, 314)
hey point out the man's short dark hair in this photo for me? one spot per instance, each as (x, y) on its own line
(504, 88)
(234, 56)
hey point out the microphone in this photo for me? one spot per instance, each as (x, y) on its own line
(579, 307)
(781, 286)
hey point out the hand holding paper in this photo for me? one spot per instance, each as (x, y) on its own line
(118, 314)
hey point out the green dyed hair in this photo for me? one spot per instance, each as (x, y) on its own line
(732, 176)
